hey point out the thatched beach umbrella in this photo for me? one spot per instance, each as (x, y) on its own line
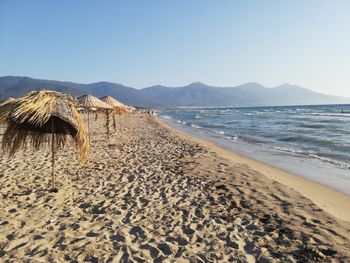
(90, 102)
(113, 102)
(43, 118)
(6, 101)
(3, 103)
(131, 108)
(119, 107)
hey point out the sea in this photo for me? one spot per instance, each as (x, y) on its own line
(309, 141)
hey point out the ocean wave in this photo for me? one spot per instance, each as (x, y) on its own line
(231, 122)
(195, 126)
(306, 139)
(213, 126)
(347, 115)
(332, 161)
(311, 154)
(233, 137)
(198, 116)
(311, 125)
(285, 149)
(182, 122)
(252, 139)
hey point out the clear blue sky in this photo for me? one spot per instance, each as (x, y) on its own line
(143, 43)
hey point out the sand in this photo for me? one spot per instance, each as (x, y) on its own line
(333, 201)
(152, 194)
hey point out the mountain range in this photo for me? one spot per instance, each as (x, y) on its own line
(195, 94)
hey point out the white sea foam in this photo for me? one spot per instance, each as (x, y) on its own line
(332, 161)
(329, 114)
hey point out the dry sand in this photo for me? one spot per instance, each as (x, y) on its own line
(151, 194)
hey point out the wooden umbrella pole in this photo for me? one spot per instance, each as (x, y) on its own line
(89, 122)
(83, 116)
(114, 122)
(53, 156)
(107, 122)
(120, 123)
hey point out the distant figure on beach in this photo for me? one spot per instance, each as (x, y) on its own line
(342, 111)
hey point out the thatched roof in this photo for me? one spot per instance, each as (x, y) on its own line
(33, 118)
(4, 107)
(6, 101)
(89, 101)
(131, 108)
(113, 102)
(119, 107)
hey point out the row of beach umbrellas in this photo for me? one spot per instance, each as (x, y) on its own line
(92, 103)
(46, 118)
(107, 104)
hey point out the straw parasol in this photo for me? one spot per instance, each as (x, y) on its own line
(90, 103)
(113, 102)
(43, 118)
(3, 103)
(119, 107)
(6, 101)
(131, 108)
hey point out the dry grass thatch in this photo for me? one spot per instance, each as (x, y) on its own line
(119, 107)
(6, 101)
(43, 118)
(89, 102)
(113, 102)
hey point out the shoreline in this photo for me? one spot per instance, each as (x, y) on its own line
(329, 199)
(308, 147)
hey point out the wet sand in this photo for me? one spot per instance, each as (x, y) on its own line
(151, 194)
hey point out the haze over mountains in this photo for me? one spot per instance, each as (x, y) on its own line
(195, 94)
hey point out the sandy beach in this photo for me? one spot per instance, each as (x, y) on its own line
(150, 193)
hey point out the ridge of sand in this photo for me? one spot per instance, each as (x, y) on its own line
(149, 195)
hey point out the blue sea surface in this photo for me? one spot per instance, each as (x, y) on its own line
(311, 141)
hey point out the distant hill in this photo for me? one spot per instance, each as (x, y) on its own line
(195, 94)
